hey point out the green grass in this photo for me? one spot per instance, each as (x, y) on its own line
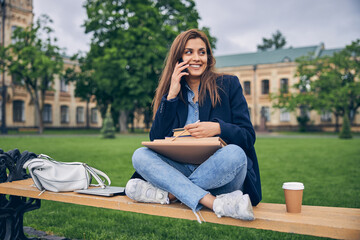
(328, 167)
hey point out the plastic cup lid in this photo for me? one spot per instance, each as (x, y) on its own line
(293, 186)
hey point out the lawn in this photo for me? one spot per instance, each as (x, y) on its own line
(328, 167)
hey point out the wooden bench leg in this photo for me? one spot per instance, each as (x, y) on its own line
(12, 216)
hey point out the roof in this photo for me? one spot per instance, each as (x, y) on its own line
(272, 56)
(330, 52)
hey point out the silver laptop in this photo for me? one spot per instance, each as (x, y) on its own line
(107, 192)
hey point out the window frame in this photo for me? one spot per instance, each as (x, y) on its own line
(64, 116)
(266, 113)
(284, 115)
(265, 87)
(247, 89)
(94, 115)
(80, 117)
(64, 87)
(284, 87)
(47, 115)
(18, 117)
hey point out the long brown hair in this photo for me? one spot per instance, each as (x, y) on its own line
(208, 78)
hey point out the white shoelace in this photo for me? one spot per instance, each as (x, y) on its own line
(198, 218)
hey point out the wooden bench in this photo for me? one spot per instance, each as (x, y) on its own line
(28, 130)
(332, 222)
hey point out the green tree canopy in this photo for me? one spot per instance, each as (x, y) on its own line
(34, 60)
(277, 41)
(129, 44)
(81, 76)
(329, 83)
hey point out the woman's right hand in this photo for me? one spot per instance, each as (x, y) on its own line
(175, 85)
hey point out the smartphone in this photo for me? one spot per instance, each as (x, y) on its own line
(185, 70)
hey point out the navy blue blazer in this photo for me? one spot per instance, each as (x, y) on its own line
(233, 116)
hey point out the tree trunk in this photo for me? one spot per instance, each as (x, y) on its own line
(123, 116)
(336, 123)
(87, 114)
(40, 119)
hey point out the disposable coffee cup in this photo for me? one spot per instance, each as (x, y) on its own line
(293, 196)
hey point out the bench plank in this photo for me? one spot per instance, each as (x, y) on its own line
(332, 222)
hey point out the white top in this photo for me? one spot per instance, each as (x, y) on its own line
(293, 186)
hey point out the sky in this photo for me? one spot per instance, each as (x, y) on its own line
(238, 25)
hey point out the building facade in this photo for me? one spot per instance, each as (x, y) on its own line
(61, 108)
(269, 72)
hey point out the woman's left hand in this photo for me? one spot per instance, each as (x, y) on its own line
(203, 129)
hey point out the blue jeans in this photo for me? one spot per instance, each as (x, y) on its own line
(223, 172)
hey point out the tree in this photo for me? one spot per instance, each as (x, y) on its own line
(346, 128)
(85, 86)
(108, 130)
(328, 83)
(128, 48)
(34, 60)
(277, 41)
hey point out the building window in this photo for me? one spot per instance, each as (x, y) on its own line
(18, 111)
(94, 117)
(247, 87)
(284, 115)
(64, 113)
(265, 86)
(325, 116)
(47, 113)
(284, 85)
(0, 110)
(63, 85)
(80, 114)
(13, 28)
(265, 111)
(16, 80)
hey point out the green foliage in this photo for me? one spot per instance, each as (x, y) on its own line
(302, 120)
(34, 60)
(129, 45)
(318, 162)
(326, 84)
(346, 128)
(108, 129)
(277, 41)
(85, 86)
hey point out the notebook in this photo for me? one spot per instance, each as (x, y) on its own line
(107, 192)
(186, 149)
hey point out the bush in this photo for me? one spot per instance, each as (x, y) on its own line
(346, 128)
(303, 120)
(108, 129)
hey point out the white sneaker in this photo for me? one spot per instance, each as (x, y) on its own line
(235, 205)
(142, 191)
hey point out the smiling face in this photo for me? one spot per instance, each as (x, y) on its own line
(195, 54)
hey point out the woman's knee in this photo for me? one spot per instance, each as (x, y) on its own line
(236, 155)
(139, 157)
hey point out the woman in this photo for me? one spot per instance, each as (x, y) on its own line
(191, 95)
